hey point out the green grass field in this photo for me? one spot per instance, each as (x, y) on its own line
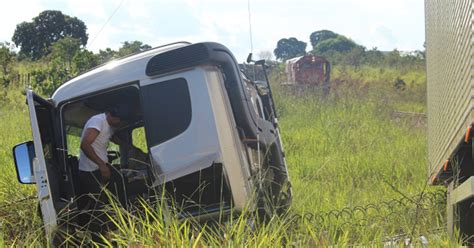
(344, 151)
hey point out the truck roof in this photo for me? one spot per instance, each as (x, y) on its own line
(111, 74)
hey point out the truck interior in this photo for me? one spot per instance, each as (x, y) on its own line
(202, 192)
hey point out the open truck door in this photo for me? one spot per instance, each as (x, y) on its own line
(31, 164)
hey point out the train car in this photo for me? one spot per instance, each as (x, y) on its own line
(308, 70)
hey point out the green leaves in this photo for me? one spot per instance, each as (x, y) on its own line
(84, 60)
(132, 47)
(7, 56)
(35, 38)
(64, 50)
(339, 43)
(126, 49)
(321, 35)
(289, 48)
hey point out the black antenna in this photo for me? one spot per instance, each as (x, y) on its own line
(250, 27)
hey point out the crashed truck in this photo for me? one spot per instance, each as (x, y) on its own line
(450, 74)
(211, 136)
(308, 70)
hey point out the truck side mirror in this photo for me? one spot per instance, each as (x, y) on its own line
(249, 58)
(23, 154)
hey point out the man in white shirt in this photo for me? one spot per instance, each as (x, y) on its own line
(94, 169)
(95, 138)
(97, 133)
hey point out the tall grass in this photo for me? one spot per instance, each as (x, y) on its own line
(18, 220)
(344, 150)
(352, 148)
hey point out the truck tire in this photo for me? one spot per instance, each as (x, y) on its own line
(274, 189)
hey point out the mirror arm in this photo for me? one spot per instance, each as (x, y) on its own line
(262, 62)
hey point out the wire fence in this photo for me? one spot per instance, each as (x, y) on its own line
(381, 210)
(363, 213)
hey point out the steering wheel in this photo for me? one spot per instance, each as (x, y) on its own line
(112, 155)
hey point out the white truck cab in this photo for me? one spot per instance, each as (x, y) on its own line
(202, 124)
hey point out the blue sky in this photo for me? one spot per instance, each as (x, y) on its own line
(383, 24)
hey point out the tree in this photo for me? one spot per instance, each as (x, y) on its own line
(355, 56)
(107, 55)
(132, 47)
(7, 56)
(421, 54)
(126, 49)
(393, 58)
(35, 38)
(338, 44)
(321, 35)
(66, 60)
(374, 56)
(289, 48)
(85, 60)
(64, 50)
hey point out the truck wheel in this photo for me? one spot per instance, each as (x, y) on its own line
(273, 191)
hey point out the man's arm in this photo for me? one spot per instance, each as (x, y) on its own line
(86, 146)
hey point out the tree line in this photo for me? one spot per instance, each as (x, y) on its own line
(341, 50)
(53, 45)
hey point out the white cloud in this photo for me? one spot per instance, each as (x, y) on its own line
(97, 10)
(138, 9)
(382, 23)
(103, 39)
(15, 12)
(384, 37)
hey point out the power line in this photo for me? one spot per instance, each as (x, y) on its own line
(106, 22)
